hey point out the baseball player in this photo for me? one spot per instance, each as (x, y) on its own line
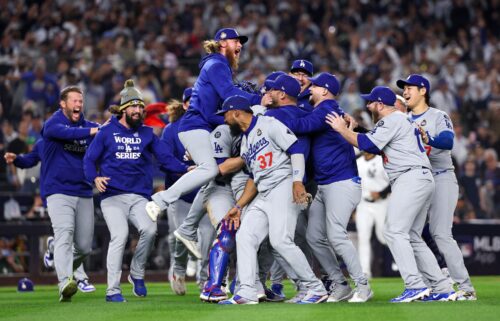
(372, 208)
(438, 135)
(301, 70)
(214, 84)
(339, 189)
(397, 139)
(66, 135)
(29, 160)
(123, 152)
(277, 178)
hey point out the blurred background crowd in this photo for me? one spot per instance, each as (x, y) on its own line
(46, 45)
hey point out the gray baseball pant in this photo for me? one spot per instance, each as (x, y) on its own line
(197, 143)
(117, 211)
(444, 201)
(406, 216)
(72, 220)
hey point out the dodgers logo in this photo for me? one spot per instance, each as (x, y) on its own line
(302, 63)
(254, 149)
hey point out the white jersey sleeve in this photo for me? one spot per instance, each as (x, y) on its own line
(281, 135)
(373, 176)
(221, 140)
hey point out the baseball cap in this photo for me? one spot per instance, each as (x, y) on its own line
(187, 94)
(381, 94)
(25, 285)
(302, 64)
(414, 80)
(287, 84)
(327, 81)
(272, 76)
(235, 102)
(229, 33)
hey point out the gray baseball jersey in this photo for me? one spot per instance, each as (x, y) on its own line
(264, 151)
(435, 121)
(400, 139)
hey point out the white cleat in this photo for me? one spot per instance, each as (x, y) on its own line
(361, 296)
(153, 210)
(191, 245)
(178, 284)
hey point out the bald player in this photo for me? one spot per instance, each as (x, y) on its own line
(211, 88)
(278, 190)
(438, 135)
(397, 139)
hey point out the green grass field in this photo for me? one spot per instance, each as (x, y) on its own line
(161, 304)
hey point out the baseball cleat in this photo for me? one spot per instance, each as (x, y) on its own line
(84, 286)
(138, 287)
(213, 294)
(340, 292)
(238, 300)
(68, 290)
(192, 266)
(313, 299)
(178, 284)
(297, 298)
(278, 290)
(118, 297)
(466, 295)
(410, 295)
(192, 246)
(153, 210)
(273, 297)
(361, 296)
(451, 296)
(48, 257)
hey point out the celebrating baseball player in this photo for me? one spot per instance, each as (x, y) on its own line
(437, 133)
(213, 85)
(301, 70)
(278, 191)
(66, 135)
(398, 140)
(123, 152)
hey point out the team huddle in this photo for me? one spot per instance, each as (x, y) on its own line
(268, 178)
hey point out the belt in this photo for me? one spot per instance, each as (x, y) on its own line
(414, 167)
(441, 172)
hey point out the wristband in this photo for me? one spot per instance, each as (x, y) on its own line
(237, 206)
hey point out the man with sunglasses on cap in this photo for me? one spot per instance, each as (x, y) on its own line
(437, 133)
(212, 87)
(119, 162)
(339, 191)
(398, 140)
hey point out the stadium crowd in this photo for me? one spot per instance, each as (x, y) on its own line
(48, 45)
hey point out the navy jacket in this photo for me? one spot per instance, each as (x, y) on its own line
(65, 144)
(125, 155)
(333, 157)
(212, 87)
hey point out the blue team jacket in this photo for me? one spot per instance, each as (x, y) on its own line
(303, 100)
(213, 86)
(65, 144)
(125, 155)
(171, 139)
(333, 157)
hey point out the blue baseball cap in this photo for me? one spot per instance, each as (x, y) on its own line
(287, 84)
(272, 76)
(25, 285)
(187, 94)
(229, 33)
(381, 94)
(302, 64)
(327, 81)
(415, 80)
(235, 102)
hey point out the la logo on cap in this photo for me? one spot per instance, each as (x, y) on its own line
(302, 63)
(223, 35)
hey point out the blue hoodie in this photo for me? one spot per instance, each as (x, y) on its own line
(303, 100)
(171, 138)
(213, 86)
(333, 157)
(65, 144)
(125, 155)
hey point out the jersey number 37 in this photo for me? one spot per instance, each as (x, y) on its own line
(265, 160)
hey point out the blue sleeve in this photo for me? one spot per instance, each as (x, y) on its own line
(215, 120)
(164, 156)
(294, 148)
(313, 122)
(92, 155)
(221, 79)
(60, 131)
(443, 141)
(168, 137)
(30, 159)
(364, 143)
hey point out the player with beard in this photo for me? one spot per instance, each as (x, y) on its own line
(213, 86)
(123, 152)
